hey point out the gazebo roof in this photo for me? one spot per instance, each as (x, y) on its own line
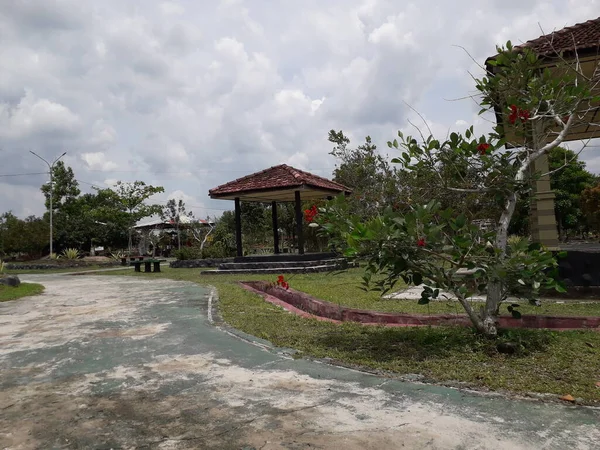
(277, 183)
(582, 36)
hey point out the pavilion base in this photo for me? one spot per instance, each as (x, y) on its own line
(284, 257)
(282, 264)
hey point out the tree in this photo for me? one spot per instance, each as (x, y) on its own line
(22, 236)
(437, 248)
(369, 175)
(130, 199)
(568, 178)
(174, 211)
(66, 187)
(590, 204)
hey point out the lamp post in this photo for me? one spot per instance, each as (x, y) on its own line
(50, 168)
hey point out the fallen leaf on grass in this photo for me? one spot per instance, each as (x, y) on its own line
(567, 398)
(598, 384)
(589, 344)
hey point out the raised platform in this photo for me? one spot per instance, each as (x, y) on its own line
(281, 264)
(285, 257)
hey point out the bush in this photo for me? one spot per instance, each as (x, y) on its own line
(70, 253)
(216, 250)
(187, 253)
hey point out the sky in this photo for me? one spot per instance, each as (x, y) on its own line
(192, 94)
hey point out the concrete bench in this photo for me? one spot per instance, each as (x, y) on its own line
(148, 263)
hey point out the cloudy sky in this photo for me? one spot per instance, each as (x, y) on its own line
(190, 94)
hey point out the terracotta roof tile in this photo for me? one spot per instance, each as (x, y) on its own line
(282, 176)
(582, 36)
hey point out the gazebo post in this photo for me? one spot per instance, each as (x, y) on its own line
(238, 227)
(299, 223)
(275, 226)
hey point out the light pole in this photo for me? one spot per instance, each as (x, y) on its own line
(50, 167)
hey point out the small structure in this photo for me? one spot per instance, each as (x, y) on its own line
(281, 183)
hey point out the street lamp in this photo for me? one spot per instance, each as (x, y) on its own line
(50, 168)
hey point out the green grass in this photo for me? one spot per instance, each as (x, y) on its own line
(566, 362)
(24, 290)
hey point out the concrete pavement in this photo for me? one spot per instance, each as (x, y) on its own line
(123, 362)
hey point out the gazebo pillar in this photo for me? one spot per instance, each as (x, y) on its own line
(238, 227)
(299, 222)
(275, 227)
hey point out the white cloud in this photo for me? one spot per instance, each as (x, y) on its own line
(189, 95)
(97, 161)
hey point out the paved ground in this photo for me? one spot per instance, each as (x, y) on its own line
(119, 362)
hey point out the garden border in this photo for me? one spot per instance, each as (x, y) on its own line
(305, 305)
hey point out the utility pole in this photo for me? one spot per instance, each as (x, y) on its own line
(50, 168)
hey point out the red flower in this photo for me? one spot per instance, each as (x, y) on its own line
(309, 214)
(483, 148)
(421, 242)
(517, 113)
(281, 282)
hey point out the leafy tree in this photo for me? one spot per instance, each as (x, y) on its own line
(130, 198)
(174, 211)
(590, 204)
(373, 182)
(440, 249)
(568, 178)
(28, 236)
(65, 189)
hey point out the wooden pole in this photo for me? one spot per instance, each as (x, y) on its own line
(299, 223)
(275, 227)
(238, 227)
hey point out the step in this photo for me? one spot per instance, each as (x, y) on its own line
(277, 271)
(339, 262)
(286, 257)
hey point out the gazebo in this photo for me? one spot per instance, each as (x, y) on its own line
(276, 184)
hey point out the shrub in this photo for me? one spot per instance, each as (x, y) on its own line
(70, 253)
(187, 253)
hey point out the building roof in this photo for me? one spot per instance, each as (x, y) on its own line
(163, 223)
(582, 36)
(277, 183)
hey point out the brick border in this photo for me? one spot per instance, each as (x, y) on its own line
(305, 305)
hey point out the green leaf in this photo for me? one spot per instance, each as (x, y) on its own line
(460, 221)
(516, 314)
(424, 300)
(417, 278)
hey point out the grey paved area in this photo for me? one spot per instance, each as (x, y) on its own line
(119, 362)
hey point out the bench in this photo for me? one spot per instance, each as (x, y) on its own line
(131, 259)
(147, 264)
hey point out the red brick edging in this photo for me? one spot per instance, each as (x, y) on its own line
(305, 305)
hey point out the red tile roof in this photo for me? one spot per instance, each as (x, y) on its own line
(276, 177)
(582, 36)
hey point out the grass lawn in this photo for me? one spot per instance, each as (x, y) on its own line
(24, 290)
(566, 362)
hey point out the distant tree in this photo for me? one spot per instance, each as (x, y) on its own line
(65, 189)
(373, 182)
(568, 179)
(130, 199)
(590, 204)
(174, 211)
(28, 236)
